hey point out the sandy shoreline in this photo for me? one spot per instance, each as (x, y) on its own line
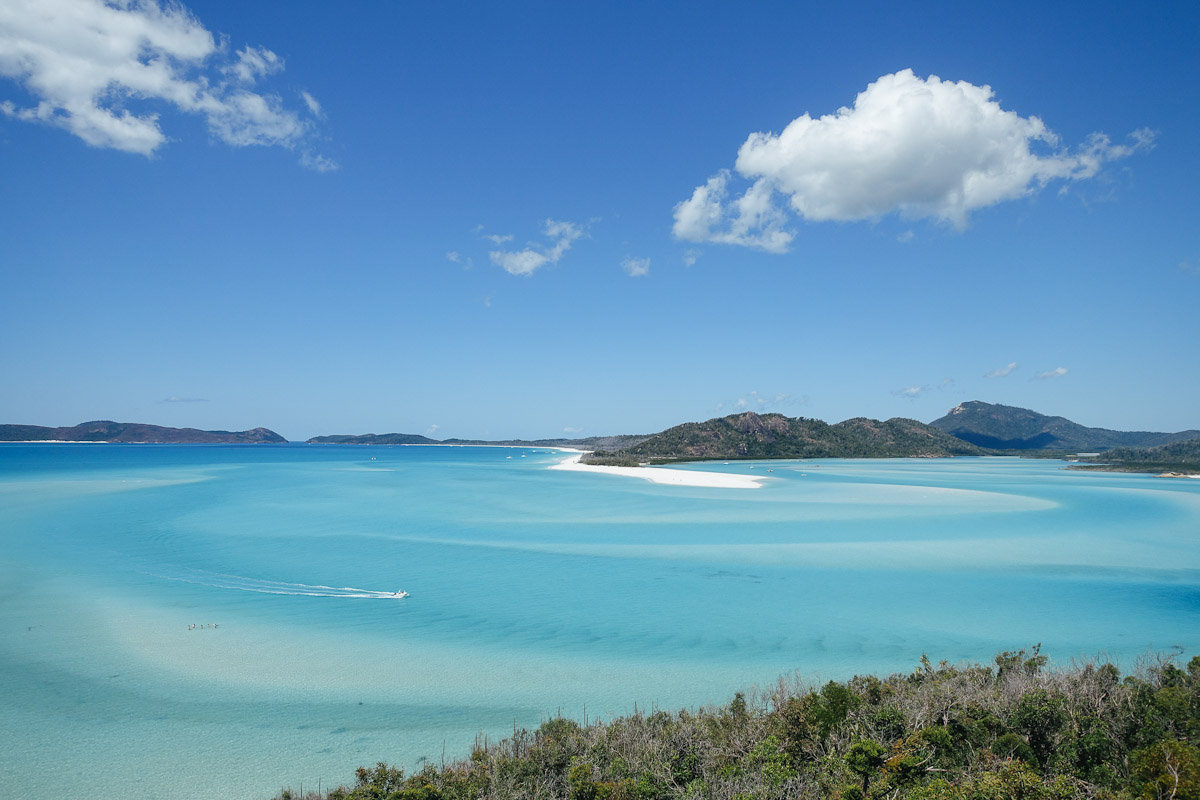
(673, 477)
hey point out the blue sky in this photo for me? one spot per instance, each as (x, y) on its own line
(538, 219)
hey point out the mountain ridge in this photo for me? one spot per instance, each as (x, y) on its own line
(1002, 427)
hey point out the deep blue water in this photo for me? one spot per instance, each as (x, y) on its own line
(533, 591)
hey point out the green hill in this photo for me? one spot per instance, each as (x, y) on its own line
(1011, 428)
(767, 436)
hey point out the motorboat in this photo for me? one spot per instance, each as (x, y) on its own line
(400, 593)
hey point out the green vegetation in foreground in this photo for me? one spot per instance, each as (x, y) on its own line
(1180, 457)
(767, 436)
(1012, 730)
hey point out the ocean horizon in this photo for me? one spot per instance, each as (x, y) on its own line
(223, 620)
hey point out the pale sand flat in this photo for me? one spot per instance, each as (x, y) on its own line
(674, 477)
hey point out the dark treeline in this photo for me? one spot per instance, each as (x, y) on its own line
(1178, 456)
(944, 732)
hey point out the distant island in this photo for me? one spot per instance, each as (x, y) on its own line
(973, 428)
(119, 432)
(998, 427)
(1177, 458)
(587, 443)
(765, 436)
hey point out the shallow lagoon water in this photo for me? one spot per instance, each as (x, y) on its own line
(533, 592)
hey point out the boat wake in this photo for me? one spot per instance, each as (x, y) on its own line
(219, 581)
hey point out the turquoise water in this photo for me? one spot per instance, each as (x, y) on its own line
(533, 592)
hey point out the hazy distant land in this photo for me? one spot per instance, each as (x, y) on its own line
(117, 432)
(970, 429)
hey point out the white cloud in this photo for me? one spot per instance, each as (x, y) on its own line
(254, 63)
(571, 429)
(754, 401)
(535, 256)
(499, 239)
(635, 267)
(1190, 267)
(314, 107)
(317, 163)
(177, 399)
(751, 220)
(1001, 372)
(906, 237)
(105, 71)
(911, 392)
(923, 148)
(1057, 372)
(690, 256)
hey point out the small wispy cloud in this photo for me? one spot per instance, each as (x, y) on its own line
(756, 401)
(177, 399)
(911, 392)
(318, 163)
(1190, 267)
(906, 237)
(432, 429)
(455, 257)
(314, 107)
(1000, 372)
(1057, 372)
(572, 429)
(497, 238)
(635, 267)
(535, 256)
(690, 256)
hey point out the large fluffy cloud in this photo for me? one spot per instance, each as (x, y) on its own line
(925, 148)
(103, 70)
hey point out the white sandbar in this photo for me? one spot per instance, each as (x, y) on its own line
(674, 477)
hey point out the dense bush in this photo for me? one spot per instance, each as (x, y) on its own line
(944, 732)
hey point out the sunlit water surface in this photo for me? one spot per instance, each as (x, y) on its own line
(204, 621)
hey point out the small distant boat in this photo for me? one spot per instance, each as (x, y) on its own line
(400, 593)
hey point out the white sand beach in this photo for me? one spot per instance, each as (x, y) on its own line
(674, 477)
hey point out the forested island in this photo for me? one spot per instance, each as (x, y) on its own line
(764, 436)
(1181, 458)
(1008, 428)
(974, 428)
(129, 432)
(1012, 729)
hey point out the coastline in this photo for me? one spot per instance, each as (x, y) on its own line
(671, 477)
